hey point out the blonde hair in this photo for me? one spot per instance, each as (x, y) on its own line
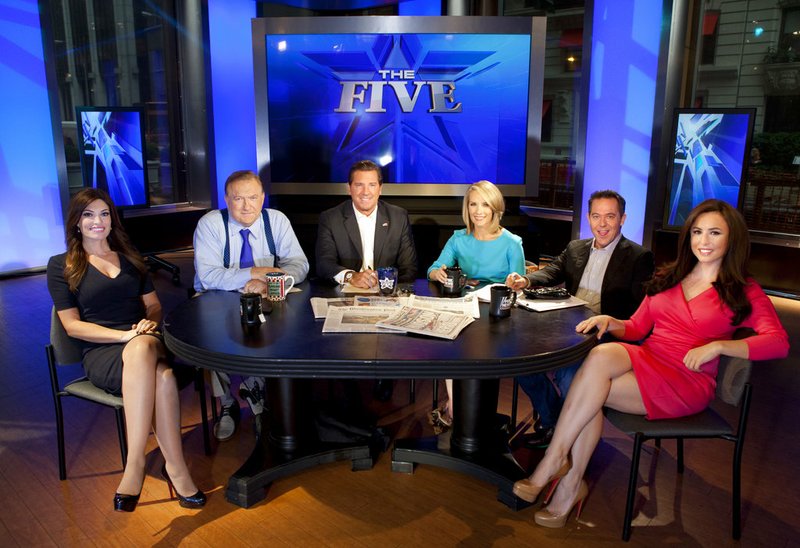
(492, 196)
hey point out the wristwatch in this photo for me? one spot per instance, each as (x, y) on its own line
(348, 276)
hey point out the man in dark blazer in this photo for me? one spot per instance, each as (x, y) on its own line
(608, 271)
(362, 234)
(340, 239)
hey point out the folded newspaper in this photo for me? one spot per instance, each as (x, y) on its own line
(320, 305)
(462, 305)
(356, 319)
(465, 305)
(422, 321)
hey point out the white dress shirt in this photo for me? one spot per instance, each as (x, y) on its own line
(366, 229)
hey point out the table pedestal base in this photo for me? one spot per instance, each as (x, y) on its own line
(477, 445)
(496, 468)
(289, 445)
(247, 486)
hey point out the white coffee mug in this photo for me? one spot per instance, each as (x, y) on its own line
(278, 285)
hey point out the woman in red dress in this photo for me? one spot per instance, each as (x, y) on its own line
(685, 323)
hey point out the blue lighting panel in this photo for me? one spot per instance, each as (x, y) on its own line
(112, 153)
(31, 224)
(621, 105)
(230, 51)
(711, 148)
(431, 108)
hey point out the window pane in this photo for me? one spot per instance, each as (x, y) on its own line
(755, 65)
(120, 54)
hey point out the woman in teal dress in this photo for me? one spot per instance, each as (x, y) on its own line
(483, 250)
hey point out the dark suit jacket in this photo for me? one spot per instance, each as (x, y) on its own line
(629, 267)
(339, 241)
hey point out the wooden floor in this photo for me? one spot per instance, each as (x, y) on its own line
(332, 506)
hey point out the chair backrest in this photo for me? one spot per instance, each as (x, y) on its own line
(67, 350)
(733, 373)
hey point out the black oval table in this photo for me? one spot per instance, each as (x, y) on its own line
(290, 349)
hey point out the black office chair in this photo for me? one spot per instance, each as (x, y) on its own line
(733, 389)
(64, 350)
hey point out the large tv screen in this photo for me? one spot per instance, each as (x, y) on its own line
(451, 102)
(112, 153)
(712, 147)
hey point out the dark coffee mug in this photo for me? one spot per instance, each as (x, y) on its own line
(455, 282)
(250, 308)
(387, 279)
(503, 298)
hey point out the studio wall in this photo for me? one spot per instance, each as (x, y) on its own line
(31, 226)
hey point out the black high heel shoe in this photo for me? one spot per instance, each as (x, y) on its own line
(125, 503)
(198, 500)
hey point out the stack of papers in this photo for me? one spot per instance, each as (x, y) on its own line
(432, 316)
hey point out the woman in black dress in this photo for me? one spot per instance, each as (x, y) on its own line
(104, 296)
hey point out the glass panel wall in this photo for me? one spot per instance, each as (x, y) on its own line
(121, 53)
(748, 57)
(561, 101)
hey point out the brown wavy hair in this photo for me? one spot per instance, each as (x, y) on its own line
(732, 277)
(77, 262)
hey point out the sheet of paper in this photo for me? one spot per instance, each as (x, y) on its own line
(350, 289)
(485, 293)
(543, 305)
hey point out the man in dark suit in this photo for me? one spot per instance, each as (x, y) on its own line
(608, 272)
(345, 229)
(362, 234)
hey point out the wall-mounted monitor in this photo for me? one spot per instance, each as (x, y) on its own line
(712, 148)
(112, 151)
(438, 102)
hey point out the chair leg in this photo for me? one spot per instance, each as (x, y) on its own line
(632, 481)
(737, 490)
(200, 384)
(514, 401)
(123, 443)
(62, 464)
(412, 391)
(679, 441)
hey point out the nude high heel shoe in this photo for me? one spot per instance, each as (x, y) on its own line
(546, 518)
(529, 492)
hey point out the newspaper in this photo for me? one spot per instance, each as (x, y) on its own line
(370, 300)
(356, 319)
(320, 305)
(423, 321)
(467, 305)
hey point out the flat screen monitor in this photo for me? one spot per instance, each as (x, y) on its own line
(438, 102)
(712, 148)
(112, 151)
